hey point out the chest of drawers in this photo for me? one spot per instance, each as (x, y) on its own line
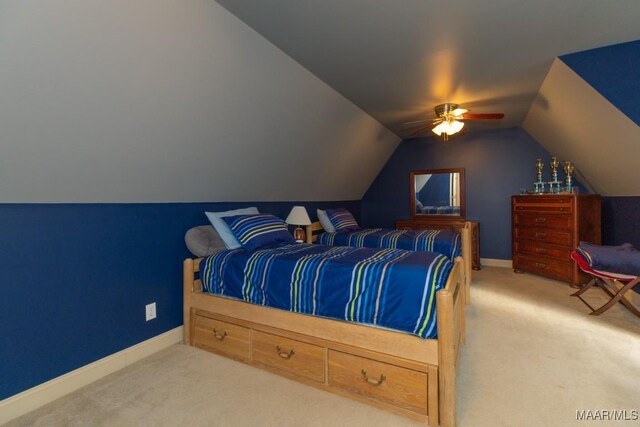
(546, 228)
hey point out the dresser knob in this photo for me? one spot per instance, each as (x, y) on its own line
(541, 235)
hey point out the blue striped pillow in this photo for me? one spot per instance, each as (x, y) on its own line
(342, 219)
(258, 231)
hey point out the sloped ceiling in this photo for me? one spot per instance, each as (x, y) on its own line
(157, 100)
(573, 121)
(165, 101)
(397, 59)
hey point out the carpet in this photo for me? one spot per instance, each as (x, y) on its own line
(533, 357)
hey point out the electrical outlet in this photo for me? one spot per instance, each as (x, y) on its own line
(150, 311)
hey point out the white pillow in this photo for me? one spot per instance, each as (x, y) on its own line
(230, 241)
(324, 221)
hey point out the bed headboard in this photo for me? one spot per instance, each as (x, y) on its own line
(312, 231)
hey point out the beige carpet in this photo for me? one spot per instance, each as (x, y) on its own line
(533, 357)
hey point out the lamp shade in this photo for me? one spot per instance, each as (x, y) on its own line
(298, 216)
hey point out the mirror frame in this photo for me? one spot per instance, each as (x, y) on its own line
(435, 217)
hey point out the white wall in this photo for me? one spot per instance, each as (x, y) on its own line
(161, 100)
(573, 121)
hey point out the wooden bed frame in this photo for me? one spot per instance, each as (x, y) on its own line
(395, 371)
(312, 231)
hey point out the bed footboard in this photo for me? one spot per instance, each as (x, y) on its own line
(395, 371)
(451, 331)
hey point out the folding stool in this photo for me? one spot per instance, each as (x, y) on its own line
(607, 282)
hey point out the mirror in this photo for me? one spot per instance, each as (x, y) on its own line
(438, 193)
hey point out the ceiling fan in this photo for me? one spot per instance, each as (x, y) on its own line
(450, 120)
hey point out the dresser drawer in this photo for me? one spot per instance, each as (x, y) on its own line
(296, 357)
(552, 269)
(212, 334)
(559, 253)
(380, 381)
(544, 219)
(558, 204)
(564, 238)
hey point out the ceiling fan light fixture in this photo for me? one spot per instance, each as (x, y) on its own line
(450, 119)
(449, 127)
(455, 127)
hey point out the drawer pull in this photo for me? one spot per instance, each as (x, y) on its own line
(541, 250)
(541, 265)
(541, 219)
(219, 336)
(373, 381)
(541, 235)
(284, 354)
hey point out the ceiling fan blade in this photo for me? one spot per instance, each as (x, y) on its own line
(421, 130)
(421, 123)
(482, 116)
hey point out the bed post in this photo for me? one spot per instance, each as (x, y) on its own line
(308, 229)
(311, 229)
(465, 234)
(450, 312)
(187, 278)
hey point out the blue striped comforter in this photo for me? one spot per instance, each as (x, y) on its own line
(391, 288)
(446, 242)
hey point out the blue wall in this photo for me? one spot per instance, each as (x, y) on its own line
(497, 164)
(76, 277)
(621, 221)
(614, 71)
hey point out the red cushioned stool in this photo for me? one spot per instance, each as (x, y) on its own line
(607, 282)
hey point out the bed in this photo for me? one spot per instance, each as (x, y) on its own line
(439, 210)
(448, 242)
(397, 371)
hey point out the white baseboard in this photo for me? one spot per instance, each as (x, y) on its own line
(40, 395)
(492, 262)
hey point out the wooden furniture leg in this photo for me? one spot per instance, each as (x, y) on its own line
(586, 287)
(618, 297)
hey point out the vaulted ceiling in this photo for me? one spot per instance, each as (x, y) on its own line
(161, 101)
(398, 59)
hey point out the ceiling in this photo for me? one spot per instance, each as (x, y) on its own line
(397, 59)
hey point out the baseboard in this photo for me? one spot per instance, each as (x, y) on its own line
(493, 262)
(40, 395)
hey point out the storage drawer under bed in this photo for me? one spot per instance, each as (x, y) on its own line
(212, 334)
(378, 380)
(296, 357)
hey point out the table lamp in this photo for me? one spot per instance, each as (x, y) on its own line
(298, 216)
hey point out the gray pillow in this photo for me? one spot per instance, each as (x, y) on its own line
(203, 240)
